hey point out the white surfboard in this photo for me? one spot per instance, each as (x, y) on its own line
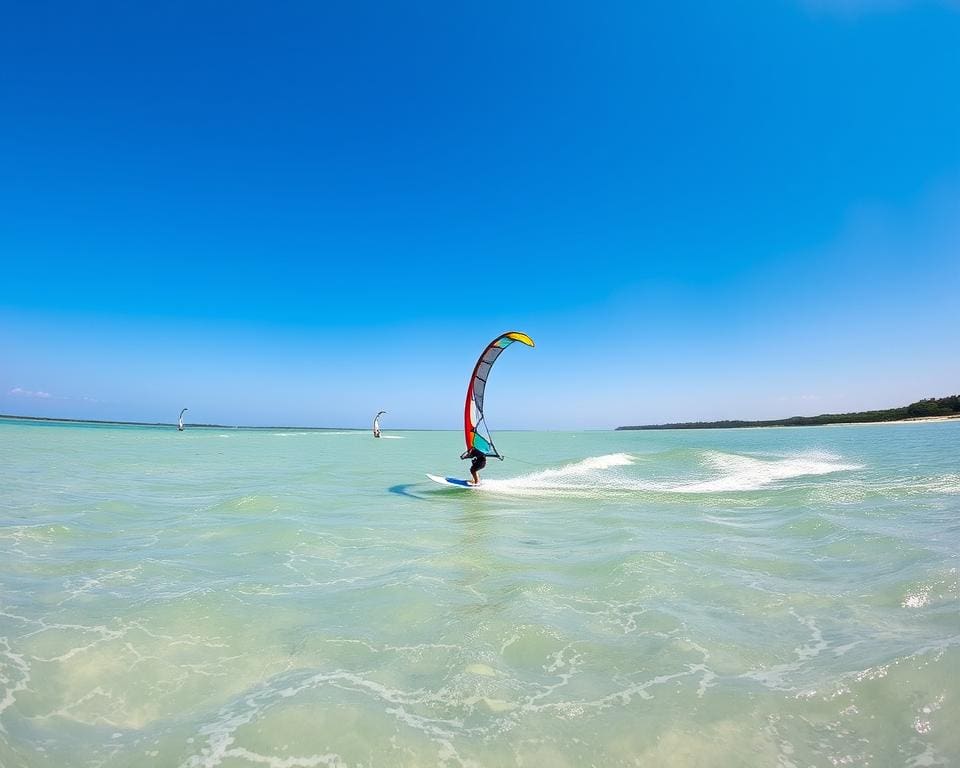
(454, 482)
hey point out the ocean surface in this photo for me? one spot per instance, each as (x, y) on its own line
(756, 597)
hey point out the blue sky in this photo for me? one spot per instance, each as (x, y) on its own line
(302, 213)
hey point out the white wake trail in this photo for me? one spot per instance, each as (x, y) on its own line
(610, 474)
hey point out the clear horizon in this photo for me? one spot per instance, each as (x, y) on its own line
(211, 425)
(305, 215)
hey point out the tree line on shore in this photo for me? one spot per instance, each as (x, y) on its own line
(932, 406)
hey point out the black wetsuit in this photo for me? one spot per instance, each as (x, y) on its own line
(479, 459)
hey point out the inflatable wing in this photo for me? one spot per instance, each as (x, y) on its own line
(474, 428)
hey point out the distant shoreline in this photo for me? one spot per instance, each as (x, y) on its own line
(931, 409)
(716, 425)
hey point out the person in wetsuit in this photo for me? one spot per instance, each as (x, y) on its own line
(478, 463)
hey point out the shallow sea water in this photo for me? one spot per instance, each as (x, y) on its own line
(760, 597)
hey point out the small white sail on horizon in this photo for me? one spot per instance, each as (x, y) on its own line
(376, 424)
(180, 420)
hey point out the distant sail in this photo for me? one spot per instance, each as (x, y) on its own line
(474, 427)
(376, 423)
(180, 421)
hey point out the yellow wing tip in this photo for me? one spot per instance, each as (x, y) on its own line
(521, 337)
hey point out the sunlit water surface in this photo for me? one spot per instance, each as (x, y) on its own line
(283, 598)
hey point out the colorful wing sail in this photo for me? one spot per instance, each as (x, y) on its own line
(474, 428)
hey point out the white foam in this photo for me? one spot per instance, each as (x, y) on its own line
(331, 760)
(916, 599)
(598, 475)
(747, 473)
(779, 676)
(587, 476)
(14, 675)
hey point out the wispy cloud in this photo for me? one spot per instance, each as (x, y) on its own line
(21, 392)
(39, 394)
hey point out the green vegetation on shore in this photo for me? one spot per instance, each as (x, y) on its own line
(934, 406)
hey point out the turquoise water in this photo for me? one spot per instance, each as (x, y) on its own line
(778, 597)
